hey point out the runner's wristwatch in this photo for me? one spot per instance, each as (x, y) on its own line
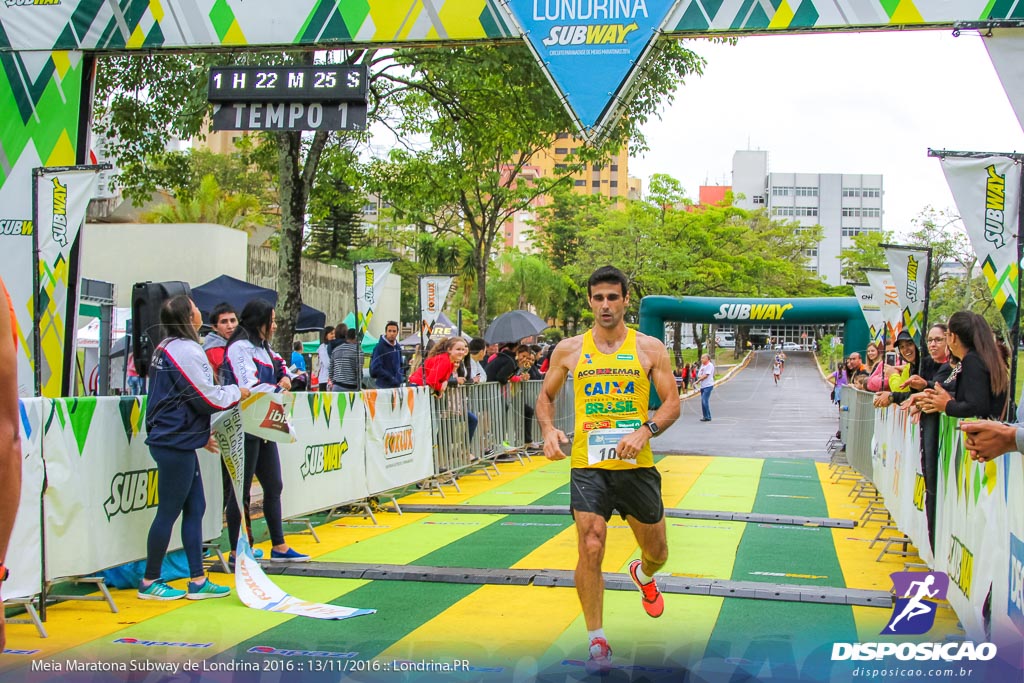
(653, 426)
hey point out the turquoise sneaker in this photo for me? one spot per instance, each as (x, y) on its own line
(158, 590)
(208, 589)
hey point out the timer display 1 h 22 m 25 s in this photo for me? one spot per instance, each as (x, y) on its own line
(321, 83)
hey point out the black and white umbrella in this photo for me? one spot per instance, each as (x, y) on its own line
(513, 326)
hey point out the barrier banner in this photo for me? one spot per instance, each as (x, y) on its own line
(899, 477)
(16, 273)
(868, 301)
(253, 587)
(62, 197)
(327, 465)
(909, 269)
(394, 456)
(1008, 588)
(266, 415)
(102, 485)
(972, 538)
(23, 557)
(987, 193)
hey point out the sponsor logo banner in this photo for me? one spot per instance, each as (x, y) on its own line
(370, 277)
(888, 298)
(909, 269)
(433, 294)
(987, 194)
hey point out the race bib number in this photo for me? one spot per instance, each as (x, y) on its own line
(601, 445)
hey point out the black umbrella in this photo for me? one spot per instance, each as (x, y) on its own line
(513, 326)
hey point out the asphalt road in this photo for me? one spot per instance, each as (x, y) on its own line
(751, 417)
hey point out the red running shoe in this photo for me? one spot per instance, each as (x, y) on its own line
(653, 603)
(600, 661)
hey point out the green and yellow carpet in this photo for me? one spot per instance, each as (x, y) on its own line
(522, 632)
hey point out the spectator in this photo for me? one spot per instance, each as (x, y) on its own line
(224, 320)
(526, 360)
(491, 352)
(251, 363)
(706, 382)
(988, 439)
(908, 354)
(856, 374)
(386, 361)
(503, 366)
(935, 369)
(184, 395)
(347, 363)
(10, 436)
(684, 373)
(876, 367)
(136, 384)
(298, 363)
(839, 379)
(323, 357)
(477, 349)
(439, 370)
(980, 383)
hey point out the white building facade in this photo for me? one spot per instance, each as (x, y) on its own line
(844, 204)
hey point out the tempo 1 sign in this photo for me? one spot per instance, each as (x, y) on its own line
(289, 116)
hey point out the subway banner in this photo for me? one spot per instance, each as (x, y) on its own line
(909, 269)
(898, 476)
(987, 193)
(327, 463)
(102, 485)
(62, 196)
(975, 538)
(24, 556)
(394, 457)
(1006, 50)
(868, 302)
(369, 278)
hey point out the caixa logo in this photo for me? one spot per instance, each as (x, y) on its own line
(1015, 601)
(131, 492)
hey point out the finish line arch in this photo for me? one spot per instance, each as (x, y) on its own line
(655, 311)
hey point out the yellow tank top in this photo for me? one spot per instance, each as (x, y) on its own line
(611, 398)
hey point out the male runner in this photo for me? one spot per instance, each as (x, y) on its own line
(613, 369)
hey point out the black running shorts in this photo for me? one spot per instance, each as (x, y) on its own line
(634, 492)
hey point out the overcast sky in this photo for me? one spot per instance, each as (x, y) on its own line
(837, 103)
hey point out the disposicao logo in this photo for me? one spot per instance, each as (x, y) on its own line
(914, 614)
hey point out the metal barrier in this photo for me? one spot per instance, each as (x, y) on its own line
(858, 412)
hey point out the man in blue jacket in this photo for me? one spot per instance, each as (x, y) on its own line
(386, 362)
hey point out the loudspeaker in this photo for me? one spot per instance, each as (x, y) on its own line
(147, 332)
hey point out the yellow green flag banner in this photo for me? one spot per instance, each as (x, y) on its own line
(62, 197)
(370, 277)
(909, 269)
(987, 193)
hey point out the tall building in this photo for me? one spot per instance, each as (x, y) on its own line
(844, 204)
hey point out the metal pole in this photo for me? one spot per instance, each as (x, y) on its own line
(924, 313)
(419, 303)
(37, 372)
(355, 289)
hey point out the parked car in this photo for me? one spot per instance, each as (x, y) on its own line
(791, 346)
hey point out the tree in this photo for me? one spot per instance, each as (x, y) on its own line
(210, 204)
(521, 280)
(144, 100)
(487, 114)
(866, 252)
(335, 208)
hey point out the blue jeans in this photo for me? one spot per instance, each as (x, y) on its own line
(136, 386)
(705, 397)
(180, 491)
(472, 419)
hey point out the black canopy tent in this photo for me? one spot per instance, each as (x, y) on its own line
(238, 293)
